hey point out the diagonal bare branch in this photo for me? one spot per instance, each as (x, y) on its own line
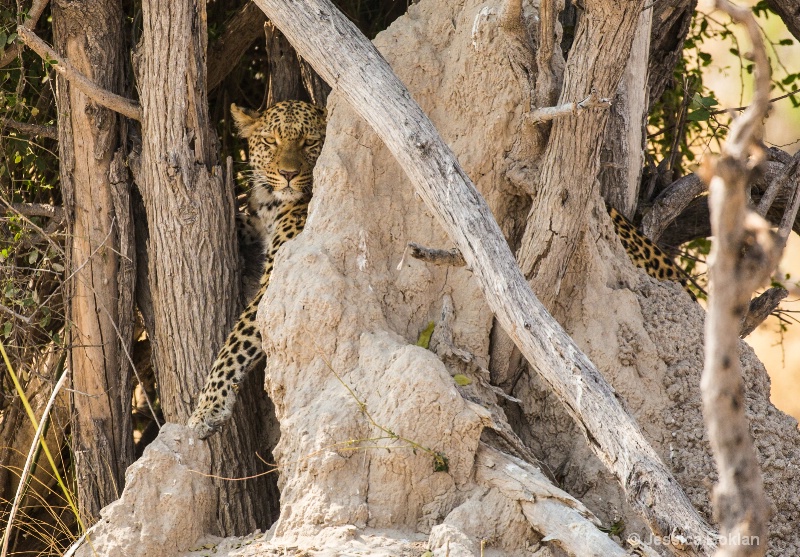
(110, 100)
(29, 129)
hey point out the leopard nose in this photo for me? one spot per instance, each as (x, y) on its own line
(288, 174)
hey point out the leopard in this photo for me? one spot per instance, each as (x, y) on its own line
(645, 254)
(284, 143)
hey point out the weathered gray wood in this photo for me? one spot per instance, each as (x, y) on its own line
(760, 308)
(670, 203)
(743, 256)
(356, 70)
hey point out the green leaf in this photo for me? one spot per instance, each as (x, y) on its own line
(33, 257)
(705, 57)
(7, 329)
(440, 463)
(699, 115)
(462, 380)
(707, 102)
(424, 339)
(786, 42)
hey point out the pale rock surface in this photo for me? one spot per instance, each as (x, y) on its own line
(166, 506)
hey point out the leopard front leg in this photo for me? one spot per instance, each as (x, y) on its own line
(243, 345)
(242, 348)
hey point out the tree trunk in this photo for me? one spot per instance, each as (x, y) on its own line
(90, 35)
(622, 154)
(192, 255)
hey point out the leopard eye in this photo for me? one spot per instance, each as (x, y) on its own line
(270, 140)
(311, 142)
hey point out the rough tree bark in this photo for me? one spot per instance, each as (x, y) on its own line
(622, 154)
(90, 35)
(192, 255)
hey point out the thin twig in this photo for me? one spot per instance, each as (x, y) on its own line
(740, 108)
(110, 100)
(551, 112)
(29, 129)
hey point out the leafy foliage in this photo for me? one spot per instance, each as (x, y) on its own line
(687, 122)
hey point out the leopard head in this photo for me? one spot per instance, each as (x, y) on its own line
(285, 141)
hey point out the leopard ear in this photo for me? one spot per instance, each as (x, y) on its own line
(244, 119)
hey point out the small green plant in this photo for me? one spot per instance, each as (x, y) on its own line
(440, 461)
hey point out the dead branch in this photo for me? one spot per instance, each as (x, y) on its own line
(743, 256)
(450, 257)
(790, 214)
(352, 65)
(789, 172)
(241, 31)
(552, 512)
(110, 100)
(550, 112)
(670, 203)
(44, 234)
(37, 7)
(760, 308)
(693, 222)
(788, 12)
(15, 315)
(38, 210)
(29, 129)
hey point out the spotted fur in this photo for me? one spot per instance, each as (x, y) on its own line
(284, 143)
(645, 254)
